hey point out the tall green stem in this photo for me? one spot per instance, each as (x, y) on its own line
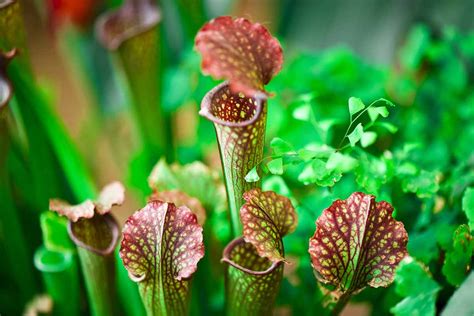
(133, 32)
(239, 122)
(99, 275)
(96, 239)
(341, 303)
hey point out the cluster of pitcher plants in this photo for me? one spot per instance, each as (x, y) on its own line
(169, 253)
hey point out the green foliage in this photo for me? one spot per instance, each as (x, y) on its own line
(418, 289)
(468, 205)
(458, 257)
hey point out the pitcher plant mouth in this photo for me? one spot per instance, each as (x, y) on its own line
(133, 18)
(224, 107)
(99, 234)
(6, 88)
(233, 257)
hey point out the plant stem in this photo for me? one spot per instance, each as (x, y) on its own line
(99, 275)
(240, 131)
(61, 279)
(355, 120)
(341, 303)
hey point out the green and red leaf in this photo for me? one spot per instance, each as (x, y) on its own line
(240, 51)
(267, 217)
(161, 247)
(357, 243)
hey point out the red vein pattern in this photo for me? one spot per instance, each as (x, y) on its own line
(240, 51)
(267, 217)
(161, 247)
(357, 243)
(252, 281)
(239, 122)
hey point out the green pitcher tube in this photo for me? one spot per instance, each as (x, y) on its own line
(61, 279)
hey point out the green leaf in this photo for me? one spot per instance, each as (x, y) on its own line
(280, 147)
(161, 247)
(55, 235)
(252, 175)
(391, 128)
(414, 283)
(458, 258)
(468, 205)
(267, 217)
(374, 112)
(355, 105)
(341, 163)
(316, 172)
(356, 134)
(424, 184)
(206, 186)
(312, 151)
(302, 112)
(275, 166)
(357, 243)
(367, 139)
